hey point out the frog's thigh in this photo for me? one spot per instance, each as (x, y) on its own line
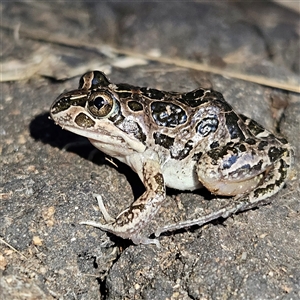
(233, 169)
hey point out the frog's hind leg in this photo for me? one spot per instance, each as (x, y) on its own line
(274, 179)
(238, 168)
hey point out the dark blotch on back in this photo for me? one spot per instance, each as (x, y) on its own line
(152, 93)
(168, 114)
(163, 140)
(217, 99)
(193, 98)
(188, 147)
(193, 95)
(242, 148)
(262, 145)
(255, 128)
(250, 141)
(214, 144)
(197, 156)
(282, 140)
(232, 126)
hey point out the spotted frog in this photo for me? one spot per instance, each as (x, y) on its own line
(179, 140)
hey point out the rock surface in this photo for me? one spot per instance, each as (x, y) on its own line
(46, 191)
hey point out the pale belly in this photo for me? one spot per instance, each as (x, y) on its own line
(181, 176)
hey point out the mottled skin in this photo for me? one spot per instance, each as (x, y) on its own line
(183, 141)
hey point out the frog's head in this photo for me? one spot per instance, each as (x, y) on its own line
(93, 111)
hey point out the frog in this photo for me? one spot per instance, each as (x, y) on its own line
(184, 141)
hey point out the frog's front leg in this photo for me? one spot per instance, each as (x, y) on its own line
(129, 223)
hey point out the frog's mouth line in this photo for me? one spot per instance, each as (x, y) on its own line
(114, 137)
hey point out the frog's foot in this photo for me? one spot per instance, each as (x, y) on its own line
(112, 227)
(136, 239)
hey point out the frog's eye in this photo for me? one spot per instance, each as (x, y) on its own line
(101, 105)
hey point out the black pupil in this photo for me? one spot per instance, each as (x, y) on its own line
(99, 102)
